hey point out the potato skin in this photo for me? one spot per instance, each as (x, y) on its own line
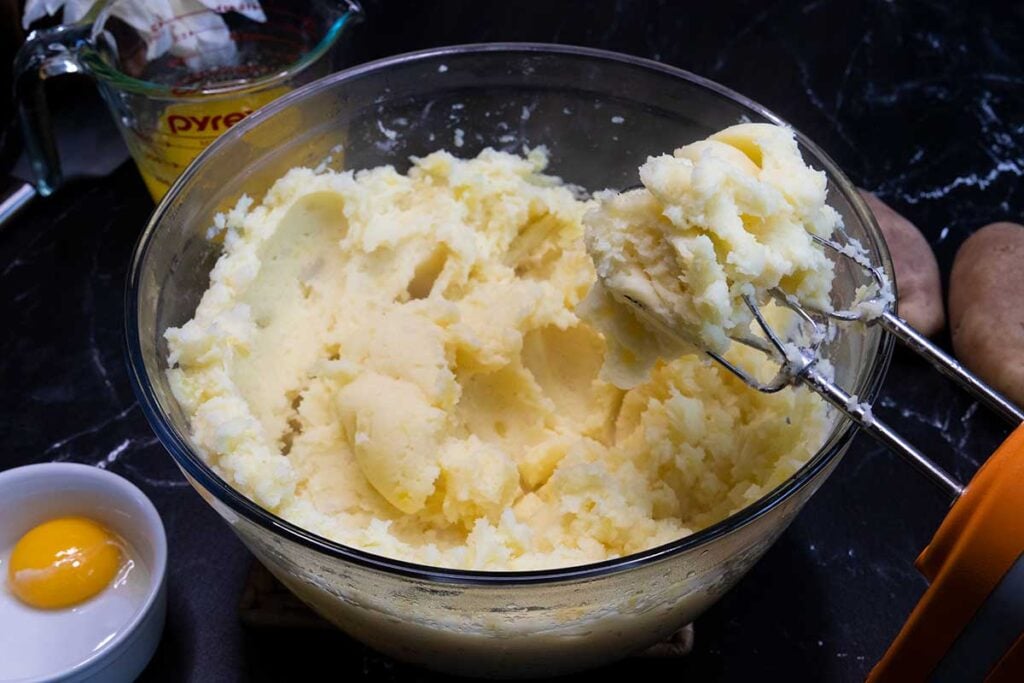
(986, 306)
(917, 273)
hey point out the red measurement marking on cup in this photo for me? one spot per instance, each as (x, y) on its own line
(160, 23)
(164, 22)
(237, 7)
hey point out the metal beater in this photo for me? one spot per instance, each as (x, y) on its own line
(799, 363)
(970, 620)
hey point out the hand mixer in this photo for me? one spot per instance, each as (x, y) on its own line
(969, 625)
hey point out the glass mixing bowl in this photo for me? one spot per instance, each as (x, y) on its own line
(600, 114)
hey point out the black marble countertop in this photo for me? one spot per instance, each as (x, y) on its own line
(919, 101)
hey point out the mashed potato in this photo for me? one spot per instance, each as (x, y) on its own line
(725, 217)
(395, 362)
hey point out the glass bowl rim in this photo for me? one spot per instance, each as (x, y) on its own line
(203, 475)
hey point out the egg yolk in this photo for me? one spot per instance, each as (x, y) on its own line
(63, 562)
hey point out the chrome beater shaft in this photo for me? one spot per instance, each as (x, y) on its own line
(799, 364)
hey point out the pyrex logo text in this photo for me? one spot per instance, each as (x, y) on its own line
(182, 123)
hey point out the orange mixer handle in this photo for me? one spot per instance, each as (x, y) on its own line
(969, 624)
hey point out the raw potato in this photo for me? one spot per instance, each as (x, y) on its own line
(986, 309)
(917, 273)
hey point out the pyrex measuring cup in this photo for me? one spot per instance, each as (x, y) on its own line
(176, 74)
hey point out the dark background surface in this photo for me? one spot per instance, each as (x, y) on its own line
(921, 102)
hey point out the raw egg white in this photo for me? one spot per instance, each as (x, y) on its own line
(69, 587)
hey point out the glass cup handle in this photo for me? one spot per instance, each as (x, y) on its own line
(47, 53)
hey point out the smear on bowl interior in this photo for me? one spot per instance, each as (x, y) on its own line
(396, 362)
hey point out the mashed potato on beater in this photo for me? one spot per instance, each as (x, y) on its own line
(721, 218)
(394, 361)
